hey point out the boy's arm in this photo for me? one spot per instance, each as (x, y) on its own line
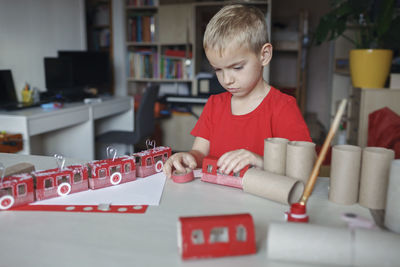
(200, 149)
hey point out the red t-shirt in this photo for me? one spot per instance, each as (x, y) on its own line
(276, 116)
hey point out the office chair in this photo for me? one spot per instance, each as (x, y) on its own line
(144, 122)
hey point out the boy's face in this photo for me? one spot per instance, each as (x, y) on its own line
(238, 69)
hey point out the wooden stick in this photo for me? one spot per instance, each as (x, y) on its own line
(314, 174)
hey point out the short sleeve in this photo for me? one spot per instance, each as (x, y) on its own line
(203, 126)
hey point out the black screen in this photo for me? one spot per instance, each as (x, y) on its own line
(7, 89)
(59, 74)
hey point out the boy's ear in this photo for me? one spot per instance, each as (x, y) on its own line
(266, 54)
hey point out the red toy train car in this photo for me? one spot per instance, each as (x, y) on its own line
(211, 174)
(151, 161)
(16, 190)
(216, 236)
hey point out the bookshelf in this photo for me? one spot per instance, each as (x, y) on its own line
(99, 25)
(158, 45)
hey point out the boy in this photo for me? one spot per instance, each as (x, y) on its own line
(234, 124)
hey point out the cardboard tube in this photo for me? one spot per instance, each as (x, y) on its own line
(308, 243)
(392, 214)
(374, 176)
(345, 174)
(275, 155)
(272, 186)
(376, 248)
(300, 157)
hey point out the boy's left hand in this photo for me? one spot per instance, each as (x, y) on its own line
(237, 159)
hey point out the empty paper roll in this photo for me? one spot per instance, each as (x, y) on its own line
(272, 186)
(275, 155)
(374, 176)
(376, 248)
(307, 243)
(392, 213)
(345, 174)
(300, 157)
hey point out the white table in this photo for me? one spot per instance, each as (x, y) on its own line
(70, 130)
(150, 239)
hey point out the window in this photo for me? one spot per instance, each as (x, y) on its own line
(102, 173)
(48, 183)
(6, 191)
(21, 189)
(115, 169)
(197, 237)
(158, 158)
(209, 168)
(138, 161)
(241, 234)
(236, 174)
(62, 179)
(165, 156)
(219, 235)
(148, 161)
(127, 167)
(77, 177)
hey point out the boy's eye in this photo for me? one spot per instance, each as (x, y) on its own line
(238, 67)
(216, 70)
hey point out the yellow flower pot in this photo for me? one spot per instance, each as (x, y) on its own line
(369, 68)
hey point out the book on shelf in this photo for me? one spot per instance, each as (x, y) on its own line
(141, 28)
(175, 68)
(143, 64)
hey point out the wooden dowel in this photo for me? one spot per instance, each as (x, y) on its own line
(314, 174)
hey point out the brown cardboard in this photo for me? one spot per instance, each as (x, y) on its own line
(275, 155)
(22, 167)
(392, 213)
(300, 158)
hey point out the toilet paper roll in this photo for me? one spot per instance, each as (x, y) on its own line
(374, 176)
(345, 174)
(272, 186)
(275, 155)
(307, 243)
(300, 157)
(376, 248)
(392, 214)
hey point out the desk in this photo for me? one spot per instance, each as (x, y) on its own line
(150, 239)
(70, 130)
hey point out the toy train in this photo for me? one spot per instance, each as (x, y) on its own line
(21, 189)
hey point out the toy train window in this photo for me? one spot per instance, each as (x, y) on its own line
(127, 167)
(241, 234)
(148, 161)
(219, 235)
(77, 177)
(6, 191)
(209, 168)
(48, 183)
(62, 179)
(236, 174)
(102, 173)
(197, 237)
(158, 158)
(115, 169)
(21, 189)
(137, 161)
(165, 156)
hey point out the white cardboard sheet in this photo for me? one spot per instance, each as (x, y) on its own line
(142, 191)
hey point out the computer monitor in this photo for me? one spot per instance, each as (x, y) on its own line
(58, 74)
(91, 69)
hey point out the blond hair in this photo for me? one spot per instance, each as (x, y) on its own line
(238, 24)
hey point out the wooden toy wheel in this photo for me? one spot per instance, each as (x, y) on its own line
(64, 189)
(115, 178)
(159, 166)
(6, 202)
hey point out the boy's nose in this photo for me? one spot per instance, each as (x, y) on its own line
(228, 78)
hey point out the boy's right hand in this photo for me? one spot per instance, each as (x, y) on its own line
(179, 161)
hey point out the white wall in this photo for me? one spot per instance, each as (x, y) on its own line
(33, 29)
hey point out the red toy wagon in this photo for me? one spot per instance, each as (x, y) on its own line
(60, 182)
(211, 174)
(113, 171)
(16, 190)
(151, 161)
(216, 236)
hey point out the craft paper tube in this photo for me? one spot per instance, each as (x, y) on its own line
(272, 186)
(307, 243)
(275, 155)
(376, 248)
(300, 157)
(374, 176)
(345, 174)
(392, 213)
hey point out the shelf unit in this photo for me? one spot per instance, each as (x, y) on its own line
(290, 57)
(159, 50)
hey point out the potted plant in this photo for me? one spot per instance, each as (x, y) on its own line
(376, 27)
